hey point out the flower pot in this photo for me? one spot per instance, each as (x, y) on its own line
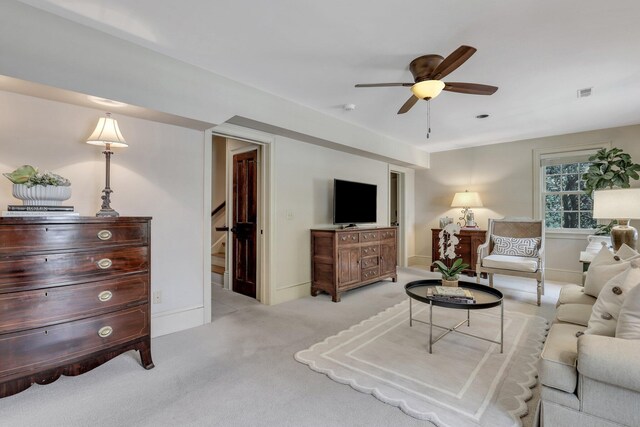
(41, 195)
(450, 283)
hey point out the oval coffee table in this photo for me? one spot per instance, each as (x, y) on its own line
(485, 297)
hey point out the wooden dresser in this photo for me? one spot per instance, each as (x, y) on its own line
(467, 248)
(74, 293)
(346, 259)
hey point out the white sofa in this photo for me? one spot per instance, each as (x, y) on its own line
(587, 380)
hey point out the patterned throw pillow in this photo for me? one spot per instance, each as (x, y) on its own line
(516, 246)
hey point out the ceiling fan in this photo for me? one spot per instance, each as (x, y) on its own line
(427, 71)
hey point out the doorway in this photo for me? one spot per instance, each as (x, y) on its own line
(236, 218)
(397, 213)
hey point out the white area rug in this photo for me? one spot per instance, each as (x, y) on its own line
(465, 382)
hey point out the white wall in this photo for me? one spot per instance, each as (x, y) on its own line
(303, 180)
(160, 174)
(503, 175)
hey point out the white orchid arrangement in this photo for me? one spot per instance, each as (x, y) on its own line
(447, 247)
(448, 241)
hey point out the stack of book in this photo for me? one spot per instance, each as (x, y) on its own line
(37, 211)
(449, 294)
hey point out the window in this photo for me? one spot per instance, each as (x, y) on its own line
(564, 202)
(559, 198)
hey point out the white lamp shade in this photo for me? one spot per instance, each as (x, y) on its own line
(622, 203)
(427, 88)
(468, 199)
(107, 132)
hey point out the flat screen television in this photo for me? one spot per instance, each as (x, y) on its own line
(354, 202)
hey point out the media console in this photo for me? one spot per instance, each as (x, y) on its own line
(349, 258)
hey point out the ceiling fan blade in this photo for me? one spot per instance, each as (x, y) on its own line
(407, 105)
(470, 88)
(383, 84)
(453, 61)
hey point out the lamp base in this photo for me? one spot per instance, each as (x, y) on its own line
(107, 213)
(623, 233)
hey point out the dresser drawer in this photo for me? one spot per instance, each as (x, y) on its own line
(32, 309)
(370, 273)
(46, 270)
(368, 262)
(51, 236)
(347, 238)
(387, 234)
(369, 236)
(39, 349)
(370, 250)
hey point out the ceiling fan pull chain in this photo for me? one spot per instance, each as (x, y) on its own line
(428, 117)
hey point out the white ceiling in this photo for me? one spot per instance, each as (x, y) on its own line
(539, 53)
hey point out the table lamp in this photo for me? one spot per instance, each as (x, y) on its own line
(107, 133)
(622, 204)
(466, 201)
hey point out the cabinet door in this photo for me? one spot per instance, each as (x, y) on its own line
(348, 265)
(463, 248)
(387, 257)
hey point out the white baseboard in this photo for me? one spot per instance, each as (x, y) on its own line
(291, 292)
(419, 260)
(169, 322)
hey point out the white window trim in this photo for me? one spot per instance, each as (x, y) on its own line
(538, 153)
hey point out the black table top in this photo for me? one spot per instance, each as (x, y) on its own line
(485, 296)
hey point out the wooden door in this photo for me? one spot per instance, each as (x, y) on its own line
(245, 208)
(348, 265)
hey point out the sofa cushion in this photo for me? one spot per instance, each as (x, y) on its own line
(557, 363)
(606, 310)
(507, 262)
(574, 294)
(604, 266)
(578, 314)
(628, 326)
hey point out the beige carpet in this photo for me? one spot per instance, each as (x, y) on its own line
(465, 382)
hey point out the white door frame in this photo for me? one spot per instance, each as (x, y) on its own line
(402, 217)
(266, 215)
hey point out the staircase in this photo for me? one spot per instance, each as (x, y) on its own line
(218, 260)
(218, 247)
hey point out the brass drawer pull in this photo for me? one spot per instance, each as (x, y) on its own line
(105, 296)
(105, 331)
(104, 263)
(104, 234)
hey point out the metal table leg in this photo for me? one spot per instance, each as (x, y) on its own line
(430, 325)
(410, 312)
(501, 326)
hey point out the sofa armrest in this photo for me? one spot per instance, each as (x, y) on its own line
(610, 360)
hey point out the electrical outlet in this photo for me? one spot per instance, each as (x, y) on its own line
(157, 297)
(289, 214)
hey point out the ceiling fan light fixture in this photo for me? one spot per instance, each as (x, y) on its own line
(427, 89)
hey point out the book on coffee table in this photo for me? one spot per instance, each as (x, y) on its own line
(431, 293)
(447, 291)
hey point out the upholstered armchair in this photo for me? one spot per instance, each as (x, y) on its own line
(514, 247)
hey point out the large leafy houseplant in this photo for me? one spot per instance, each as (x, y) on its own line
(609, 169)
